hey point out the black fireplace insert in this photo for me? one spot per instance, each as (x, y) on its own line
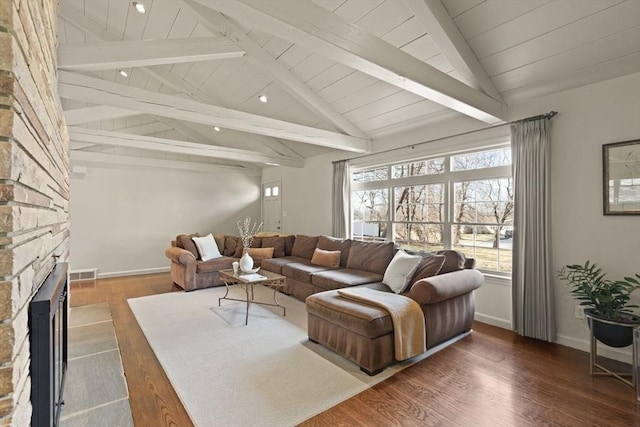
(48, 322)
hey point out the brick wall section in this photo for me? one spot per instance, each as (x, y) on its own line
(34, 185)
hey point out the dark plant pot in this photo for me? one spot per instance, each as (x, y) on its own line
(614, 333)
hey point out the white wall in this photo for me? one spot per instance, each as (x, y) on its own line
(588, 117)
(123, 219)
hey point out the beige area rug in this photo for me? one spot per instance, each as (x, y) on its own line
(264, 374)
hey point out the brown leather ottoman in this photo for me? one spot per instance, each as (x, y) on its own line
(359, 332)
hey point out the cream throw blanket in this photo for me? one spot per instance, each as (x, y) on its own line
(406, 315)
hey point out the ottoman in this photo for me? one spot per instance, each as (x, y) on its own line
(359, 332)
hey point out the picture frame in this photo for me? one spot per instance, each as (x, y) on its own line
(621, 178)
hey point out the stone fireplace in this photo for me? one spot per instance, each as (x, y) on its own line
(34, 186)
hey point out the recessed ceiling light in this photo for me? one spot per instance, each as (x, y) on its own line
(263, 98)
(123, 73)
(139, 7)
(216, 128)
(272, 164)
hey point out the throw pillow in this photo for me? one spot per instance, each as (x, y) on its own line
(258, 254)
(184, 241)
(207, 247)
(324, 258)
(428, 267)
(454, 261)
(400, 271)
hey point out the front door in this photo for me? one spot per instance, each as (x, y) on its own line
(271, 206)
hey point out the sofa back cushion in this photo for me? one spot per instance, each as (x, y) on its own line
(430, 265)
(304, 246)
(288, 244)
(454, 261)
(277, 243)
(185, 242)
(230, 246)
(369, 256)
(220, 242)
(328, 243)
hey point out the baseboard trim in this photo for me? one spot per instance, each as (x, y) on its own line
(620, 354)
(493, 320)
(133, 272)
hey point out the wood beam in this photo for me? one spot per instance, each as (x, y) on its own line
(77, 18)
(104, 158)
(89, 89)
(93, 114)
(141, 53)
(449, 39)
(307, 24)
(220, 24)
(118, 139)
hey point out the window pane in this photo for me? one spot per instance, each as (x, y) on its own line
(370, 205)
(481, 159)
(369, 231)
(484, 201)
(423, 167)
(425, 237)
(412, 203)
(490, 246)
(267, 192)
(276, 190)
(377, 174)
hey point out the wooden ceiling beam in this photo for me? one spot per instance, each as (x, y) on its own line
(262, 60)
(307, 24)
(118, 139)
(110, 55)
(449, 39)
(95, 113)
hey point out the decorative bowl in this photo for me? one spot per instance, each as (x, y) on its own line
(253, 270)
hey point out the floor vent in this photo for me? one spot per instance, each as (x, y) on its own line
(80, 275)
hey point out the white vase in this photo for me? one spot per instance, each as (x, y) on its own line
(246, 262)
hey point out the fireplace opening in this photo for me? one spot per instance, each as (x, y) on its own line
(48, 325)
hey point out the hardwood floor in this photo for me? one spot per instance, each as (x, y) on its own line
(491, 378)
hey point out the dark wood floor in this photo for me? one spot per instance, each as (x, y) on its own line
(491, 378)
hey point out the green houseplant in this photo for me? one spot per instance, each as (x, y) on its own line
(607, 301)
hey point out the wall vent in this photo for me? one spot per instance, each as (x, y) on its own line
(86, 274)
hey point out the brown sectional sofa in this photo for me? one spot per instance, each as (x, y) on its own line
(442, 285)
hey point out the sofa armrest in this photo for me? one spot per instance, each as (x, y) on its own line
(180, 256)
(434, 289)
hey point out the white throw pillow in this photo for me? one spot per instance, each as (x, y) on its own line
(207, 247)
(400, 271)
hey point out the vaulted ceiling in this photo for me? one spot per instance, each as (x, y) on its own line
(178, 86)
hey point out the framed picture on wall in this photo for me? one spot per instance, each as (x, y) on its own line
(621, 177)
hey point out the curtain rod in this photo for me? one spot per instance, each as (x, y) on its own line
(548, 115)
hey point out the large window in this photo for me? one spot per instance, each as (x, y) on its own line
(462, 201)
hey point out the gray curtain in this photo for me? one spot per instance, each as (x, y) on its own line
(341, 194)
(533, 303)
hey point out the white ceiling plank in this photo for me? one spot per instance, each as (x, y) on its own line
(447, 36)
(98, 112)
(141, 53)
(145, 129)
(457, 7)
(119, 159)
(316, 28)
(77, 86)
(216, 22)
(119, 139)
(76, 18)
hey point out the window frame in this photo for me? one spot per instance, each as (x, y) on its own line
(447, 178)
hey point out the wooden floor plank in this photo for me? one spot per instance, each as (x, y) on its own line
(491, 378)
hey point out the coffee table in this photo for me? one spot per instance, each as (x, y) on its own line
(271, 280)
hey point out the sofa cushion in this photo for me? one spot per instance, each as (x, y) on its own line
(370, 256)
(304, 246)
(215, 265)
(454, 261)
(329, 259)
(302, 271)
(329, 243)
(288, 244)
(185, 241)
(429, 266)
(277, 243)
(230, 246)
(344, 277)
(275, 264)
(259, 254)
(219, 238)
(207, 247)
(256, 242)
(400, 271)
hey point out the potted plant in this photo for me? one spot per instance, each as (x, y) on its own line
(609, 311)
